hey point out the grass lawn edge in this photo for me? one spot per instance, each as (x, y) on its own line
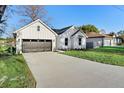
(35, 83)
(86, 57)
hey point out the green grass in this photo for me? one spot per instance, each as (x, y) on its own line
(115, 50)
(3, 48)
(107, 55)
(14, 72)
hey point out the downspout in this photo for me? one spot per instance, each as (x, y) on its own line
(56, 44)
(102, 41)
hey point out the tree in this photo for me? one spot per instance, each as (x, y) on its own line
(112, 33)
(2, 21)
(32, 12)
(2, 28)
(121, 32)
(6, 12)
(89, 28)
(2, 10)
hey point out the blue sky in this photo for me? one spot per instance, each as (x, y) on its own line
(103, 17)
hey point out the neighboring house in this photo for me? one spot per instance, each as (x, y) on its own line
(70, 38)
(95, 40)
(37, 37)
(116, 39)
(119, 40)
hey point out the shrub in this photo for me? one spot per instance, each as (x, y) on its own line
(11, 50)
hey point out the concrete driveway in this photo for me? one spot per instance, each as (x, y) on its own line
(53, 70)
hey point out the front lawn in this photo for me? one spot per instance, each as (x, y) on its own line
(115, 50)
(14, 72)
(3, 48)
(107, 55)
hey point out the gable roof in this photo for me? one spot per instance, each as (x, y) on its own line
(81, 32)
(94, 35)
(38, 20)
(75, 33)
(97, 35)
(60, 31)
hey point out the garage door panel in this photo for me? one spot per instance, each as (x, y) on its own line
(41, 46)
(47, 46)
(37, 45)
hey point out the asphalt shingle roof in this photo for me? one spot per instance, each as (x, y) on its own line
(60, 31)
(97, 35)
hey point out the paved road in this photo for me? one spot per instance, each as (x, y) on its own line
(52, 70)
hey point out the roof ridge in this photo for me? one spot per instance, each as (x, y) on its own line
(63, 27)
(67, 27)
(62, 30)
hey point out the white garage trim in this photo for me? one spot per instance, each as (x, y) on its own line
(33, 23)
(30, 32)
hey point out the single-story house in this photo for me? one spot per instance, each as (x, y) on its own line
(70, 38)
(119, 40)
(116, 39)
(95, 40)
(37, 37)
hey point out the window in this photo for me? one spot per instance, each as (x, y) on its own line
(18, 40)
(66, 41)
(41, 40)
(26, 40)
(38, 28)
(80, 41)
(34, 40)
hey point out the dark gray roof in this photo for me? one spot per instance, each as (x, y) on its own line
(75, 32)
(60, 31)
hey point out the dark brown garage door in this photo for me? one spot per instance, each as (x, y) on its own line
(36, 45)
